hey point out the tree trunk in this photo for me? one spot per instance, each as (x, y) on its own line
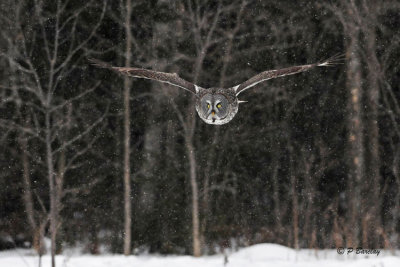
(50, 176)
(189, 132)
(295, 204)
(295, 210)
(59, 190)
(277, 203)
(37, 229)
(127, 132)
(27, 196)
(308, 198)
(356, 141)
(195, 198)
(127, 167)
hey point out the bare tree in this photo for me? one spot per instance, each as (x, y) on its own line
(230, 35)
(360, 21)
(345, 11)
(61, 46)
(203, 29)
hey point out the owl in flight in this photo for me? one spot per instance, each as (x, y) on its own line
(216, 105)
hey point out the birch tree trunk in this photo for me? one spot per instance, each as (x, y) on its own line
(189, 132)
(195, 199)
(127, 167)
(355, 135)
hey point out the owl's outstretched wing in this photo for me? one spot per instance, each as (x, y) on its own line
(171, 78)
(271, 74)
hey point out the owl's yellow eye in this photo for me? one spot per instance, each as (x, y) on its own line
(208, 106)
(219, 106)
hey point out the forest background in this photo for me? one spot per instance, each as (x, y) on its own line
(93, 159)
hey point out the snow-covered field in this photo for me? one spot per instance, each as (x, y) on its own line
(254, 256)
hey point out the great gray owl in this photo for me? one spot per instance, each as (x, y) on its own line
(215, 105)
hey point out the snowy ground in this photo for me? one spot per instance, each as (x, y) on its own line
(254, 256)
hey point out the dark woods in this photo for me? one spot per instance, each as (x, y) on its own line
(310, 161)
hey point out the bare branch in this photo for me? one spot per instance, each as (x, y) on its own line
(73, 51)
(69, 101)
(79, 136)
(12, 125)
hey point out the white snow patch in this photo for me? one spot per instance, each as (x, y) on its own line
(255, 256)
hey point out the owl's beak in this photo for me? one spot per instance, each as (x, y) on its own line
(213, 113)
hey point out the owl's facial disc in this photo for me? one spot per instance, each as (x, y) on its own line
(215, 109)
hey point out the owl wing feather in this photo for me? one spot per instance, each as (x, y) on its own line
(164, 77)
(271, 74)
